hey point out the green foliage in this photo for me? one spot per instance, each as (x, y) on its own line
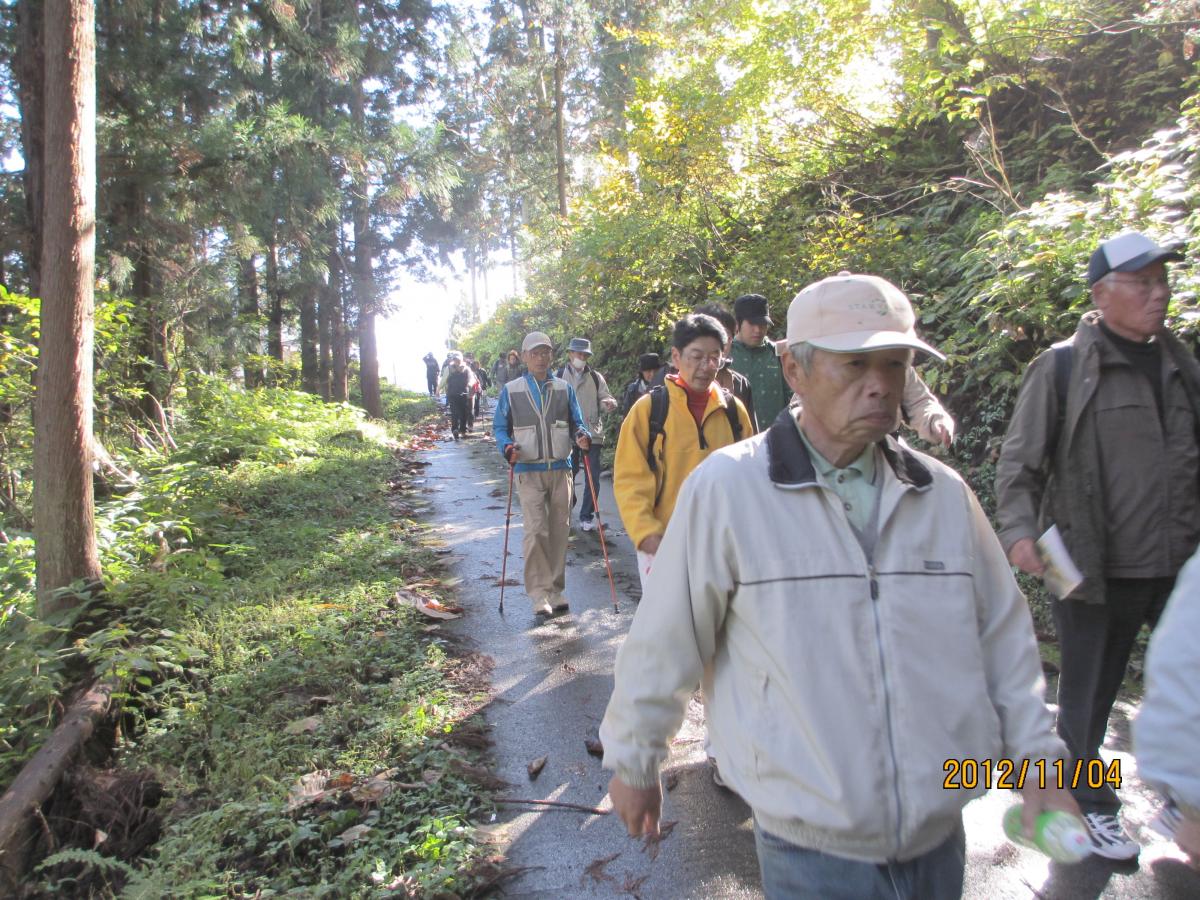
(249, 578)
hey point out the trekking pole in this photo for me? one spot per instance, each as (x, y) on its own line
(507, 521)
(587, 468)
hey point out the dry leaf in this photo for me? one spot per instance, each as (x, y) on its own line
(595, 869)
(300, 726)
(354, 833)
(535, 768)
(671, 781)
(653, 844)
(594, 747)
(340, 782)
(307, 789)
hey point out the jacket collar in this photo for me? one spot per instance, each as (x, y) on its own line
(789, 463)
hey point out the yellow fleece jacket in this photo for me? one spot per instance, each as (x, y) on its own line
(677, 452)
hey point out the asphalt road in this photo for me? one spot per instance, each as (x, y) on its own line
(551, 683)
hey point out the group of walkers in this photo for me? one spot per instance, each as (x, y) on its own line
(462, 381)
(841, 598)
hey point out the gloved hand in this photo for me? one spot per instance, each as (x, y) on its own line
(510, 453)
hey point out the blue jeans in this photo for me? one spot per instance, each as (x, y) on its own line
(789, 871)
(587, 510)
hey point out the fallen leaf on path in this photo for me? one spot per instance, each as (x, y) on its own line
(494, 507)
(653, 844)
(300, 726)
(535, 768)
(594, 747)
(569, 669)
(427, 607)
(595, 869)
(507, 582)
(633, 886)
(479, 775)
(671, 781)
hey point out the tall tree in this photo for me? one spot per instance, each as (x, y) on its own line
(63, 517)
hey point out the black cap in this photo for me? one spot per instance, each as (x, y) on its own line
(1128, 252)
(648, 361)
(752, 308)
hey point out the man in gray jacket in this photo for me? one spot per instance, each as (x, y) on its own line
(1102, 443)
(853, 624)
(595, 399)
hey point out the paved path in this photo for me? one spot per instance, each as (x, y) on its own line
(551, 683)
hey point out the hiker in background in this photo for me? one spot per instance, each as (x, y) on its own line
(431, 373)
(483, 383)
(508, 367)
(1166, 733)
(728, 377)
(754, 356)
(808, 583)
(536, 418)
(670, 431)
(458, 384)
(594, 399)
(1102, 443)
(648, 365)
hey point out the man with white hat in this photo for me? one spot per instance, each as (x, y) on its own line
(851, 619)
(537, 420)
(1102, 443)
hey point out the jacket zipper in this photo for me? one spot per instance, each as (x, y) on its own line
(887, 701)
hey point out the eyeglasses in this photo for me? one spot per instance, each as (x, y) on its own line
(1142, 283)
(540, 351)
(696, 357)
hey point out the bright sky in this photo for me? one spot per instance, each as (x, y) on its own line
(421, 322)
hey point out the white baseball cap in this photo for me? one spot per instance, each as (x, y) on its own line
(535, 339)
(1128, 252)
(849, 313)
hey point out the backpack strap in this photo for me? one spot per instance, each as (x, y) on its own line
(658, 418)
(735, 424)
(1062, 383)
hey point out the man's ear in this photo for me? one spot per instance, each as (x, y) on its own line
(793, 372)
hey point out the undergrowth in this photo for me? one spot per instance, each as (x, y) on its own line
(302, 723)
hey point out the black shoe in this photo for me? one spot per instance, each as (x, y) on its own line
(561, 609)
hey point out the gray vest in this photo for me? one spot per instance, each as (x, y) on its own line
(541, 435)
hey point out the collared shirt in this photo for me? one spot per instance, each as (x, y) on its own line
(856, 484)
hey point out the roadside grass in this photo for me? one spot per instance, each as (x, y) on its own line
(312, 736)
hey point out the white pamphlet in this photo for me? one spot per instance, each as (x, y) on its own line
(1062, 575)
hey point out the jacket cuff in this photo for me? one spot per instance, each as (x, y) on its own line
(638, 780)
(1012, 534)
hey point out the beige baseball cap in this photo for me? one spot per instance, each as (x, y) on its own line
(535, 339)
(849, 313)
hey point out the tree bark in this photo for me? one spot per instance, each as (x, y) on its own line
(38, 777)
(325, 306)
(30, 71)
(275, 293)
(560, 149)
(339, 384)
(309, 359)
(63, 514)
(364, 287)
(248, 310)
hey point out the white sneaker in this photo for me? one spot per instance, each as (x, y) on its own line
(1109, 838)
(587, 524)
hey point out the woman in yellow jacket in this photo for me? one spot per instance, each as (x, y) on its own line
(698, 421)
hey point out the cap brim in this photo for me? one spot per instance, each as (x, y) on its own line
(1162, 254)
(865, 341)
(759, 320)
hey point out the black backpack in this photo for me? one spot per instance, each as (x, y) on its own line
(658, 418)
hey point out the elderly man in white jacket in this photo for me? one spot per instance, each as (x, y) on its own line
(1166, 733)
(852, 621)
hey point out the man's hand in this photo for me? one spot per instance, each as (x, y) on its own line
(942, 428)
(1025, 557)
(650, 544)
(608, 404)
(583, 442)
(510, 453)
(639, 808)
(1043, 799)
